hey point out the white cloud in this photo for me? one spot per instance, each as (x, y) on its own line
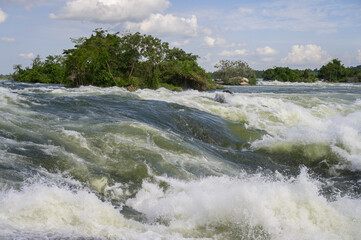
(308, 54)
(209, 41)
(218, 42)
(27, 55)
(359, 55)
(3, 16)
(165, 25)
(238, 52)
(7, 39)
(212, 42)
(266, 51)
(110, 11)
(180, 43)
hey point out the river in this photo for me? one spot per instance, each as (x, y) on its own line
(272, 161)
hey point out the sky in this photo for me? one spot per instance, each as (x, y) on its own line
(289, 33)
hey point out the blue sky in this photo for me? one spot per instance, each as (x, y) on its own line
(298, 34)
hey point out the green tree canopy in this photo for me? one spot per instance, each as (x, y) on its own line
(51, 70)
(333, 71)
(228, 69)
(285, 74)
(106, 59)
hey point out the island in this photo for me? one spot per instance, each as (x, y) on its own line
(127, 60)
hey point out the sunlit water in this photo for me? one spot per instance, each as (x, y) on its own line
(273, 161)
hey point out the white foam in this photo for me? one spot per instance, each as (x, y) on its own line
(9, 98)
(57, 212)
(77, 137)
(256, 206)
(293, 119)
(249, 207)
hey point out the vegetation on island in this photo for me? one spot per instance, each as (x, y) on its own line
(285, 74)
(127, 60)
(333, 71)
(5, 76)
(51, 70)
(234, 73)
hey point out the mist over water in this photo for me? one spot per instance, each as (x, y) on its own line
(273, 161)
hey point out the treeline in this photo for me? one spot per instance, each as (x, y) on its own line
(285, 74)
(333, 71)
(5, 76)
(127, 60)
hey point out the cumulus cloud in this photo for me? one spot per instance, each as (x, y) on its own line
(180, 43)
(209, 41)
(219, 42)
(7, 39)
(166, 25)
(266, 51)
(27, 55)
(110, 11)
(308, 54)
(212, 42)
(238, 52)
(3, 16)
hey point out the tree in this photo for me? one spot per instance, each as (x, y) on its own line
(94, 60)
(306, 74)
(132, 50)
(269, 74)
(186, 74)
(333, 71)
(181, 55)
(52, 70)
(154, 54)
(233, 69)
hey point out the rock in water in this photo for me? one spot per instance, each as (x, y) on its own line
(227, 91)
(220, 98)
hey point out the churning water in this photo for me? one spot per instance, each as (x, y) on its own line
(273, 161)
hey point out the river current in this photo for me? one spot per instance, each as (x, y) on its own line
(272, 161)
